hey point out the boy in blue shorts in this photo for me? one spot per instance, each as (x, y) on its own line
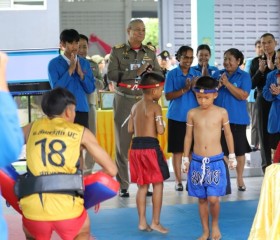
(208, 176)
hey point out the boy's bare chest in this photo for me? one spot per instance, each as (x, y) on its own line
(207, 121)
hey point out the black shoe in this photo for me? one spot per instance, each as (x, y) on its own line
(124, 193)
(254, 149)
(149, 194)
(179, 187)
(242, 188)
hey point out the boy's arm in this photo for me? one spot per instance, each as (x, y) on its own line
(160, 124)
(98, 153)
(130, 127)
(229, 140)
(26, 131)
(188, 141)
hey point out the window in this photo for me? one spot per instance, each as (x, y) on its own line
(23, 4)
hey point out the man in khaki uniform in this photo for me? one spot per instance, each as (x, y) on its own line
(126, 64)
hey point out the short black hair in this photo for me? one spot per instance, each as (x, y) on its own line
(237, 54)
(267, 35)
(203, 47)
(150, 78)
(69, 35)
(181, 50)
(82, 36)
(206, 83)
(257, 42)
(55, 101)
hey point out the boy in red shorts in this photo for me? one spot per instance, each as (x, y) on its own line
(147, 163)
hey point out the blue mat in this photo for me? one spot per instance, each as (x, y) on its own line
(183, 222)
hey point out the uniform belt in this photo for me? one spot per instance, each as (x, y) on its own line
(127, 95)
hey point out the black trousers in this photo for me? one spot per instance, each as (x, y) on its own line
(82, 118)
(263, 108)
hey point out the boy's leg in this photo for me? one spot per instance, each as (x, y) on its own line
(157, 203)
(204, 218)
(141, 207)
(215, 212)
(84, 233)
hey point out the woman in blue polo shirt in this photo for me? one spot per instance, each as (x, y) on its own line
(178, 91)
(235, 85)
(203, 54)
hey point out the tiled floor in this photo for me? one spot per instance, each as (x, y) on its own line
(253, 179)
(170, 196)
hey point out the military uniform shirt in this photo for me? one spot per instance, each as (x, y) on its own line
(122, 60)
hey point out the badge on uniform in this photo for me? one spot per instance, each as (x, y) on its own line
(134, 66)
(146, 58)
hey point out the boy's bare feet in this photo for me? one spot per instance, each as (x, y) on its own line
(145, 229)
(159, 228)
(204, 236)
(216, 234)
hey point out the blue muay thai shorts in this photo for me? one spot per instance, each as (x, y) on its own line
(208, 176)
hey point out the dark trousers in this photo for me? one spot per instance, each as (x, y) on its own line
(254, 125)
(263, 108)
(82, 118)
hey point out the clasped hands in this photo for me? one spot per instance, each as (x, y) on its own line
(266, 63)
(75, 65)
(189, 84)
(223, 80)
(274, 89)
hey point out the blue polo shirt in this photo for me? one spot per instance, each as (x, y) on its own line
(237, 109)
(175, 81)
(59, 77)
(273, 125)
(211, 69)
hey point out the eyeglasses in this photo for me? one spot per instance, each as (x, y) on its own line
(187, 57)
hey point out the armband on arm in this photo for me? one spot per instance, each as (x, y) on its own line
(232, 160)
(226, 123)
(160, 120)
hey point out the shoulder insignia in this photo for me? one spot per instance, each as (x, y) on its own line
(119, 45)
(150, 47)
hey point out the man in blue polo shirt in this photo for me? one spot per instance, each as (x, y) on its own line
(72, 72)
